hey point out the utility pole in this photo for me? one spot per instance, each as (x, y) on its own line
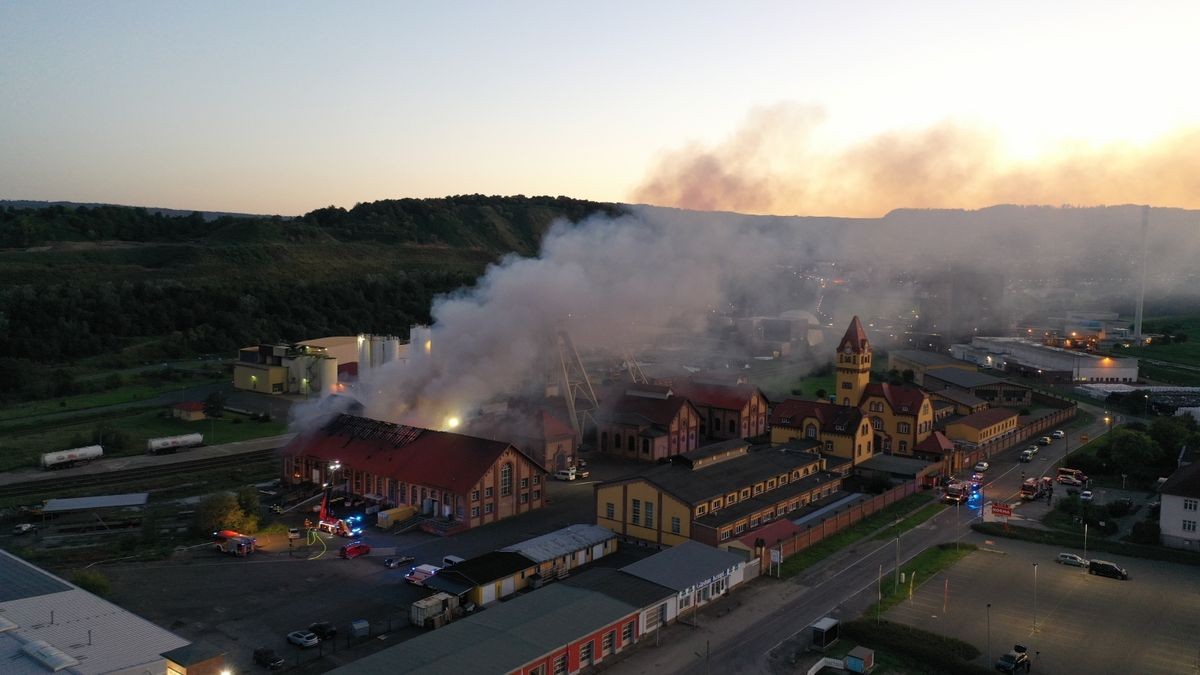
(897, 586)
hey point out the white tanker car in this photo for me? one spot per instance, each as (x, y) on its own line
(166, 444)
(64, 458)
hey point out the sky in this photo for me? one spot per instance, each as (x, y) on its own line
(807, 108)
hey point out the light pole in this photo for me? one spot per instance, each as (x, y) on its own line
(957, 533)
(1085, 541)
(989, 632)
(897, 587)
(1035, 596)
(334, 467)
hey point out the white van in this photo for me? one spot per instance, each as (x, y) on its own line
(452, 560)
(565, 474)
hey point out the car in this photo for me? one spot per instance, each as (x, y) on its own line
(265, 656)
(1071, 559)
(583, 473)
(1086, 496)
(353, 550)
(565, 474)
(24, 528)
(323, 630)
(1069, 480)
(982, 466)
(1045, 440)
(293, 533)
(1015, 660)
(303, 638)
(1033, 449)
(976, 478)
(417, 575)
(1105, 568)
(1058, 433)
(451, 560)
(392, 563)
(1026, 456)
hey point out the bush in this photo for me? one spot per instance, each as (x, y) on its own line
(1118, 508)
(91, 581)
(1146, 532)
(933, 653)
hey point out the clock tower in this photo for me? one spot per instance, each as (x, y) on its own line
(853, 364)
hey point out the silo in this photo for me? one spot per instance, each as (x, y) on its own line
(364, 354)
(391, 348)
(376, 351)
(421, 338)
(329, 376)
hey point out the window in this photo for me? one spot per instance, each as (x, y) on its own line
(903, 427)
(739, 528)
(610, 511)
(539, 669)
(474, 511)
(649, 514)
(560, 664)
(524, 483)
(754, 522)
(632, 443)
(783, 479)
(603, 440)
(1189, 504)
(846, 385)
(607, 644)
(724, 535)
(506, 479)
(758, 488)
(487, 493)
(616, 441)
(903, 447)
(627, 633)
(746, 493)
(645, 446)
(716, 504)
(810, 431)
(585, 653)
(877, 423)
(636, 515)
(487, 508)
(702, 509)
(524, 497)
(675, 525)
(1189, 526)
(474, 495)
(537, 480)
(732, 427)
(731, 498)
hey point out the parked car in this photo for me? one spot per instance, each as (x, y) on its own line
(1014, 660)
(420, 573)
(1105, 568)
(450, 560)
(265, 656)
(303, 638)
(565, 474)
(1071, 559)
(1045, 440)
(353, 550)
(1086, 496)
(1069, 480)
(583, 473)
(293, 533)
(982, 466)
(24, 528)
(392, 563)
(323, 630)
(1059, 433)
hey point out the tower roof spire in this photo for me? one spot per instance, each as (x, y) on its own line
(856, 337)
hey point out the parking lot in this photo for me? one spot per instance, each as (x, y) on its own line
(240, 604)
(1085, 623)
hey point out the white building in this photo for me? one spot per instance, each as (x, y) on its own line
(1180, 514)
(698, 573)
(1028, 357)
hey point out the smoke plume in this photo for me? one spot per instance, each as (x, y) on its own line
(774, 164)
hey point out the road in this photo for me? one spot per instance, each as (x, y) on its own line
(769, 626)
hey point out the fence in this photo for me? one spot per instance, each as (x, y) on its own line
(837, 522)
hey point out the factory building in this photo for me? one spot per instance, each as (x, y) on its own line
(1029, 358)
(985, 387)
(714, 493)
(920, 362)
(285, 369)
(455, 481)
(727, 411)
(983, 427)
(647, 423)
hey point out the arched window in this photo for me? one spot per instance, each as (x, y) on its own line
(603, 440)
(810, 431)
(616, 441)
(877, 423)
(506, 479)
(733, 426)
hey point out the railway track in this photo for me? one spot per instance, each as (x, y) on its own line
(119, 476)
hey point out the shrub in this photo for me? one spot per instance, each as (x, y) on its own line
(1118, 508)
(934, 653)
(1146, 532)
(91, 581)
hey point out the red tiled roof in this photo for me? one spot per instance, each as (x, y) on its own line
(722, 396)
(901, 398)
(985, 418)
(856, 336)
(553, 427)
(936, 443)
(437, 458)
(190, 406)
(838, 419)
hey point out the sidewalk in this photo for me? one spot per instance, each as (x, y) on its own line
(685, 642)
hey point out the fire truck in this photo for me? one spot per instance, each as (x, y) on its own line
(1034, 488)
(350, 526)
(234, 543)
(957, 493)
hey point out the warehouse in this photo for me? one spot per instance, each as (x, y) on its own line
(647, 423)
(1054, 364)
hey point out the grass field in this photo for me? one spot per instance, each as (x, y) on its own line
(22, 449)
(911, 521)
(826, 547)
(81, 402)
(917, 571)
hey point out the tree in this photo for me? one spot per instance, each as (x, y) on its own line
(247, 499)
(218, 512)
(1170, 433)
(214, 404)
(1134, 453)
(821, 394)
(908, 376)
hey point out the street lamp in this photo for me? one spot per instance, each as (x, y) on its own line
(1035, 596)
(989, 632)
(334, 467)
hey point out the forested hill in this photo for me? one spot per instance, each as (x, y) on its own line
(498, 225)
(129, 285)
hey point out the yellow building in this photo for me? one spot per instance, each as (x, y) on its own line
(841, 430)
(714, 493)
(853, 364)
(983, 427)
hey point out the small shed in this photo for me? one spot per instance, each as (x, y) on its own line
(825, 633)
(860, 660)
(188, 411)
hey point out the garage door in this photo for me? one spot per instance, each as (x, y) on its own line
(597, 551)
(507, 587)
(489, 593)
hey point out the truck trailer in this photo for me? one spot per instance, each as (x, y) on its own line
(65, 458)
(167, 444)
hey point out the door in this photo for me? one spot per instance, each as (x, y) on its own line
(507, 587)
(581, 558)
(489, 593)
(597, 551)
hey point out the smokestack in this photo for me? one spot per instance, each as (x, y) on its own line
(1137, 316)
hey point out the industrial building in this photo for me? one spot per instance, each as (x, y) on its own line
(48, 624)
(727, 411)
(713, 493)
(455, 481)
(1030, 358)
(920, 362)
(985, 426)
(982, 386)
(647, 422)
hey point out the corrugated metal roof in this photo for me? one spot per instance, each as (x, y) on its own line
(500, 639)
(19, 579)
(685, 565)
(561, 542)
(100, 502)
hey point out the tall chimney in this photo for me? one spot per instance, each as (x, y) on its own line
(1137, 316)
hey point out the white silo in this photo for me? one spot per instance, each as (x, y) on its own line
(328, 376)
(376, 351)
(364, 354)
(421, 338)
(391, 348)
